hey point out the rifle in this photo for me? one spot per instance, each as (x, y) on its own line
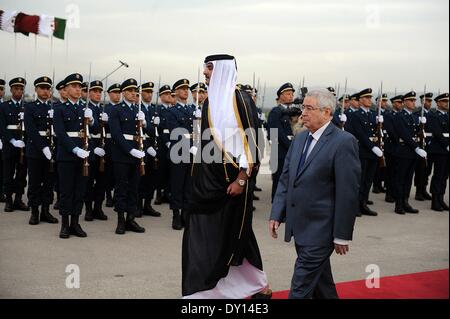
(422, 142)
(155, 162)
(380, 135)
(101, 167)
(263, 97)
(139, 128)
(84, 132)
(50, 129)
(343, 103)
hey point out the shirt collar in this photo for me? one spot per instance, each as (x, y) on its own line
(129, 104)
(284, 106)
(443, 112)
(43, 102)
(364, 109)
(317, 134)
(165, 105)
(407, 111)
(182, 104)
(16, 102)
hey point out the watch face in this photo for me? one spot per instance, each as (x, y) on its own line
(241, 182)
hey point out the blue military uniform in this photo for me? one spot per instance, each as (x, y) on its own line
(279, 120)
(438, 150)
(407, 128)
(380, 173)
(123, 126)
(41, 175)
(14, 161)
(364, 126)
(68, 123)
(96, 185)
(180, 117)
(2, 195)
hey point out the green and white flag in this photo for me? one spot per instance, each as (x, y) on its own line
(51, 26)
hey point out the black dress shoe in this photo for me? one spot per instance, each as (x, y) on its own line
(149, 211)
(47, 217)
(365, 210)
(177, 222)
(20, 205)
(9, 207)
(98, 212)
(77, 231)
(419, 197)
(120, 230)
(389, 199)
(426, 195)
(399, 209)
(34, 218)
(131, 225)
(158, 200)
(89, 215)
(257, 189)
(383, 189)
(443, 203)
(409, 209)
(65, 231)
(109, 199)
(436, 204)
(255, 197)
(369, 202)
(376, 190)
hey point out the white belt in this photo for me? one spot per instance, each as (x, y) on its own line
(43, 133)
(13, 127)
(73, 134)
(373, 139)
(95, 135)
(187, 136)
(108, 135)
(166, 131)
(128, 137)
(445, 135)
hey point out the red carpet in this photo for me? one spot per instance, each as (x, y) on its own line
(424, 285)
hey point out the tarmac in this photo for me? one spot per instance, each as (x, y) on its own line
(33, 260)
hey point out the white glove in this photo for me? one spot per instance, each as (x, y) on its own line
(88, 114)
(423, 119)
(47, 153)
(377, 151)
(50, 113)
(82, 153)
(263, 117)
(380, 119)
(198, 113)
(156, 120)
(168, 144)
(21, 116)
(1, 145)
(421, 152)
(99, 151)
(18, 143)
(137, 153)
(141, 116)
(342, 117)
(193, 150)
(151, 151)
(105, 117)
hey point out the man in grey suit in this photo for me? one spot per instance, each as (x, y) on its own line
(317, 197)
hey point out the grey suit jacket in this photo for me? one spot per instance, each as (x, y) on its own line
(320, 202)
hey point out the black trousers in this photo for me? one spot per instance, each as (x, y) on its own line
(126, 191)
(109, 173)
(440, 173)
(380, 176)
(14, 174)
(403, 177)
(312, 274)
(162, 180)
(389, 174)
(40, 182)
(276, 176)
(96, 185)
(1, 173)
(72, 187)
(180, 184)
(422, 173)
(368, 169)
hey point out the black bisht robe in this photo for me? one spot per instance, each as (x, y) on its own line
(218, 232)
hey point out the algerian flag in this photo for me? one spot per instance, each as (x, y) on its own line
(51, 26)
(8, 20)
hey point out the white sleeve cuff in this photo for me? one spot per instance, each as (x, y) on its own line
(243, 163)
(342, 242)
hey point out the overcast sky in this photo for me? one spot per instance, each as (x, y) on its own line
(404, 43)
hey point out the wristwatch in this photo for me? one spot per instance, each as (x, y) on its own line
(241, 182)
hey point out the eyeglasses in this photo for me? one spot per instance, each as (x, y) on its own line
(308, 108)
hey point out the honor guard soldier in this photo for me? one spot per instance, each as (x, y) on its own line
(391, 141)
(84, 94)
(354, 107)
(423, 168)
(147, 182)
(12, 132)
(181, 117)
(72, 121)
(127, 157)
(380, 174)
(364, 123)
(407, 153)
(163, 178)
(61, 88)
(339, 118)
(2, 94)
(114, 100)
(279, 121)
(96, 186)
(40, 158)
(439, 152)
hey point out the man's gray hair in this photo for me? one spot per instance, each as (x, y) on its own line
(325, 99)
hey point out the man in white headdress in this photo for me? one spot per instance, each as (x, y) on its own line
(221, 258)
